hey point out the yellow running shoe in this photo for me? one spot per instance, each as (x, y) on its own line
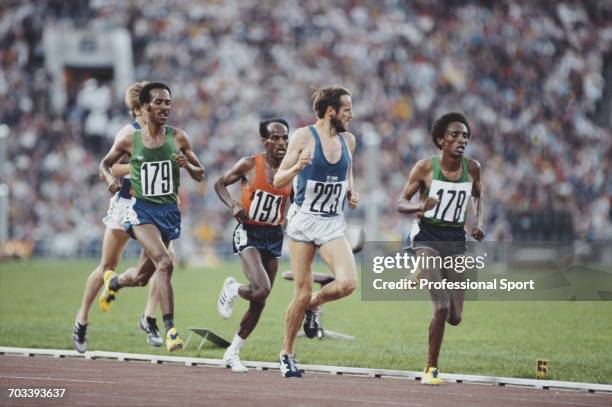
(173, 340)
(418, 277)
(108, 296)
(431, 377)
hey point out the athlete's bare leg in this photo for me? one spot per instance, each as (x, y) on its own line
(259, 281)
(157, 251)
(339, 257)
(153, 296)
(142, 274)
(260, 270)
(447, 305)
(456, 299)
(113, 244)
(138, 275)
(302, 255)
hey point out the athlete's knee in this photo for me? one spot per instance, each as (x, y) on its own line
(302, 299)
(260, 293)
(98, 273)
(442, 311)
(454, 319)
(303, 287)
(164, 264)
(346, 286)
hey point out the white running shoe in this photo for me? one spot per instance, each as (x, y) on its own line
(231, 359)
(225, 303)
(288, 368)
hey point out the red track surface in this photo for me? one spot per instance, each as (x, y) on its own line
(113, 383)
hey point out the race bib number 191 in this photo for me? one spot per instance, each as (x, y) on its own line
(266, 207)
(156, 178)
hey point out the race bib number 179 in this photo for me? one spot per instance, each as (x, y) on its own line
(156, 178)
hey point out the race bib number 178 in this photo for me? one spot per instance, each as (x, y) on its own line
(452, 200)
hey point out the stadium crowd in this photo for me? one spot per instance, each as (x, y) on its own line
(528, 75)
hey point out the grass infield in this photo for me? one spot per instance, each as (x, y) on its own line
(39, 300)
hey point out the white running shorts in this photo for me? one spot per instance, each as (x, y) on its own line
(309, 228)
(117, 209)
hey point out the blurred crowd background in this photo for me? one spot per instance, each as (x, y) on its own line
(534, 79)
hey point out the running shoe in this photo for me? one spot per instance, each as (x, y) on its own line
(225, 303)
(173, 340)
(79, 337)
(288, 367)
(231, 359)
(311, 322)
(108, 296)
(150, 327)
(431, 377)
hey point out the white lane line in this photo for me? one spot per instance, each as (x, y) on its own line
(55, 380)
(410, 375)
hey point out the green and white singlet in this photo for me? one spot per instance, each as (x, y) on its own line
(452, 196)
(155, 174)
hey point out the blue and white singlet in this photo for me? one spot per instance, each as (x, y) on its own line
(321, 186)
(126, 184)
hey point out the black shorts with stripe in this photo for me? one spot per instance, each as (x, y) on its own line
(446, 240)
(266, 239)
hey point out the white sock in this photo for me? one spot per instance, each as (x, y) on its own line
(237, 343)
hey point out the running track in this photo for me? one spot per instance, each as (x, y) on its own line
(114, 383)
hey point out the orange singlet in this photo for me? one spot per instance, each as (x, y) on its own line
(264, 203)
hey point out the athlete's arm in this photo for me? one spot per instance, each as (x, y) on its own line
(353, 196)
(416, 183)
(297, 157)
(121, 147)
(474, 170)
(121, 170)
(188, 159)
(237, 172)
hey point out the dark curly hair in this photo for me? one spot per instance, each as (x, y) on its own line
(145, 93)
(440, 126)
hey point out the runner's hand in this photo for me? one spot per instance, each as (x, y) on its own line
(353, 197)
(478, 233)
(239, 213)
(430, 203)
(114, 185)
(181, 160)
(304, 159)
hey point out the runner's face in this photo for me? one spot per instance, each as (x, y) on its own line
(344, 115)
(455, 139)
(276, 143)
(159, 107)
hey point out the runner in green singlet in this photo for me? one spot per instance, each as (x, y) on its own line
(156, 153)
(444, 185)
